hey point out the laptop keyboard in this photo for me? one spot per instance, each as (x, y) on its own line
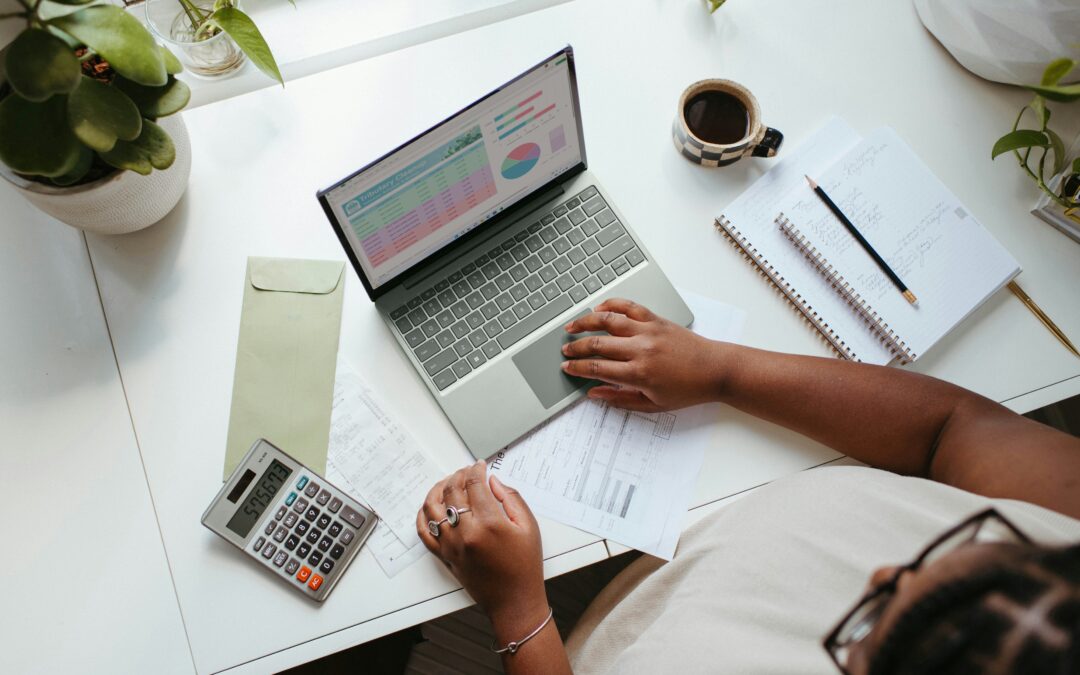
(515, 287)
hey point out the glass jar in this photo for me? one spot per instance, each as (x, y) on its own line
(213, 57)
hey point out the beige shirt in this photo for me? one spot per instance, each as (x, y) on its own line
(755, 587)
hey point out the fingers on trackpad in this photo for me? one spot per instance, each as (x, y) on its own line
(539, 364)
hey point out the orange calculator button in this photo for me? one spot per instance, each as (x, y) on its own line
(303, 574)
(315, 582)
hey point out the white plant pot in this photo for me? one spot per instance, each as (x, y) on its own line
(121, 202)
(1008, 41)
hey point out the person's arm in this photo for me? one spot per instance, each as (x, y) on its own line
(495, 553)
(886, 417)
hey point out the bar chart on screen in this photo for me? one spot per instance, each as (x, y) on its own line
(524, 117)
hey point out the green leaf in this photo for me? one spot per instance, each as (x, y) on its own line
(1076, 165)
(39, 64)
(35, 138)
(246, 34)
(81, 168)
(72, 2)
(153, 149)
(172, 64)
(1042, 113)
(1064, 94)
(1057, 70)
(120, 39)
(101, 114)
(1021, 138)
(1059, 151)
(155, 102)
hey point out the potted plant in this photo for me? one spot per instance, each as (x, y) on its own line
(88, 101)
(1041, 152)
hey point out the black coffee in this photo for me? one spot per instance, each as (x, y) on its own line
(717, 117)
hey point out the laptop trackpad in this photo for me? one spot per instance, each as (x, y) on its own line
(539, 363)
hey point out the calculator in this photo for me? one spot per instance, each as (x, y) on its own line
(290, 520)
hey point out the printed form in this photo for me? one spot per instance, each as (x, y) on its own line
(379, 463)
(625, 476)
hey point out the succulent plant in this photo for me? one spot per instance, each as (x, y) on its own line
(84, 84)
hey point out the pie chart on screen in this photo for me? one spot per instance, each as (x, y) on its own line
(520, 161)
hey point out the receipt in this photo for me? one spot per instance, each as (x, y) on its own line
(380, 463)
(392, 554)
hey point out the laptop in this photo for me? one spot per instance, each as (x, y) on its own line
(479, 239)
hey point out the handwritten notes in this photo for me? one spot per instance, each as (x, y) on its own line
(780, 190)
(917, 225)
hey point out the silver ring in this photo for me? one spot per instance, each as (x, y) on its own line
(453, 515)
(433, 527)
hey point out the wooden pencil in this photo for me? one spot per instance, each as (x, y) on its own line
(904, 290)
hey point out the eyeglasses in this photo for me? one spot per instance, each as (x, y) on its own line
(988, 526)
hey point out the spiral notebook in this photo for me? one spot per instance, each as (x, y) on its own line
(932, 241)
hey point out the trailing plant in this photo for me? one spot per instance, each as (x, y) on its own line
(227, 17)
(82, 89)
(1040, 150)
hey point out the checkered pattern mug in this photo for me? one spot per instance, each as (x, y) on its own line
(721, 108)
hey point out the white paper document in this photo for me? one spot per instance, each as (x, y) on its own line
(625, 476)
(382, 465)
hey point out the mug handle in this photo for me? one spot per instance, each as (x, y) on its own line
(769, 144)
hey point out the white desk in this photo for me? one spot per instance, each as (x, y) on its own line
(87, 581)
(172, 293)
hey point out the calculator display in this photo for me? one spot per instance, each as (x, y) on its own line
(252, 508)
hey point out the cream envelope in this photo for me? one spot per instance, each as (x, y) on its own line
(285, 358)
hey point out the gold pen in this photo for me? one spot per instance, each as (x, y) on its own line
(1050, 325)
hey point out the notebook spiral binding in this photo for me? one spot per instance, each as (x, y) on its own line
(770, 274)
(877, 324)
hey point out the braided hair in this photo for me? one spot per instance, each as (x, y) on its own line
(1020, 616)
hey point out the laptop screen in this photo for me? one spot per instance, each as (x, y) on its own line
(429, 192)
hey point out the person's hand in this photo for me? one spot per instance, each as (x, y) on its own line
(649, 362)
(494, 551)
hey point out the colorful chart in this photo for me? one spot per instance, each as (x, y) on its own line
(391, 225)
(520, 161)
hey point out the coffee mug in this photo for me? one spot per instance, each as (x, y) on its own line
(719, 123)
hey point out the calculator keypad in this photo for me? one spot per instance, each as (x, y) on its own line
(309, 534)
